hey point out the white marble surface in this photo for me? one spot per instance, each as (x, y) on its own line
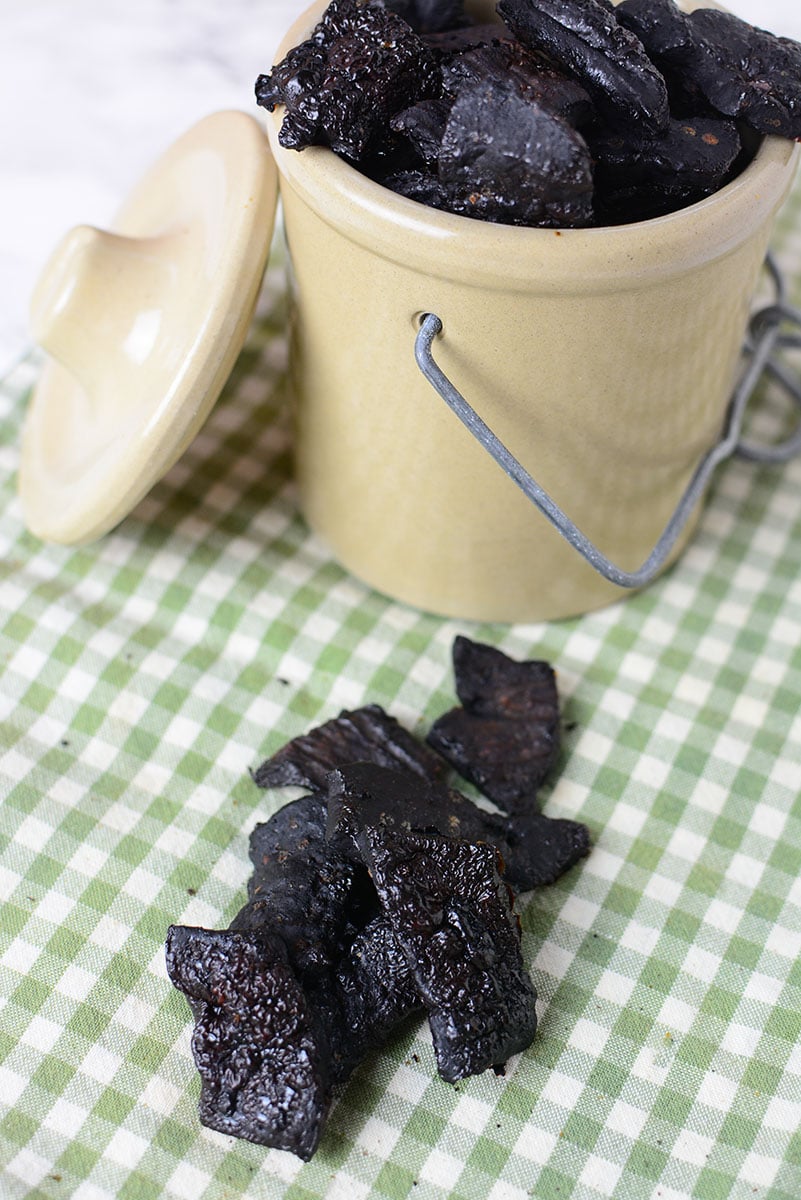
(92, 90)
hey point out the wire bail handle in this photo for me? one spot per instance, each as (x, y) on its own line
(764, 338)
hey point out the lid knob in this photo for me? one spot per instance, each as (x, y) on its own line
(101, 302)
(143, 325)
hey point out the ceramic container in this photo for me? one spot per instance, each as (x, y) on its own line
(604, 359)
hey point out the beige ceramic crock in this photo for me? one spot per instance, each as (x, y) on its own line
(603, 358)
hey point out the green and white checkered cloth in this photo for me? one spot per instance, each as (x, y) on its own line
(141, 676)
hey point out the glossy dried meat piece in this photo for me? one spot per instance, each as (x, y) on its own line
(454, 41)
(430, 16)
(363, 794)
(295, 829)
(365, 734)
(491, 684)
(376, 991)
(660, 25)
(538, 850)
(693, 160)
(419, 185)
(362, 64)
(452, 914)
(506, 159)
(741, 70)
(257, 1044)
(533, 75)
(424, 125)
(694, 153)
(534, 849)
(506, 737)
(506, 758)
(326, 960)
(302, 890)
(585, 38)
(748, 73)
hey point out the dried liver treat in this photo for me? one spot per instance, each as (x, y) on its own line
(360, 794)
(658, 175)
(505, 158)
(424, 125)
(659, 25)
(383, 894)
(505, 738)
(430, 16)
(505, 59)
(506, 758)
(539, 849)
(257, 1044)
(302, 890)
(376, 991)
(486, 121)
(419, 185)
(455, 41)
(535, 849)
(585, 38)
(742, 71)
(362, 64)
(491, 684)
(452, 914)
(496, 146)
(365, 734)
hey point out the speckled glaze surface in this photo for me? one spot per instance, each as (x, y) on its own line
(604, 358)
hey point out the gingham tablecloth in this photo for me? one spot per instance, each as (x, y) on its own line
(141, 676)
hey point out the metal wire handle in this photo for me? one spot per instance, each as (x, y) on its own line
(764, 339)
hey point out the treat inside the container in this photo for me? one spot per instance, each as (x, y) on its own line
(585, 39)
(740, 71)
(564, 114)
(383, 894)
(363, 64)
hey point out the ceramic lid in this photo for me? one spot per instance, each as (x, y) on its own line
(142, 325)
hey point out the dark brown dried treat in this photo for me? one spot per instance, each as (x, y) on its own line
(741, 70)
(452, 914)
(506, 159)
(262, 1058)
(454, 41)
(419, 185)
(295, 830)
(302, 890)
(369, 901)
(539, 849)
(535, 849)
(507, 758)
(324, 910)
(362, 64)
(491, 684)
(424, 125)
(365, 734)
(505, 739)
(362, 794)
(533, 75)
(586, 39)
(658, 175)
(748, 73)
(376, 991)
(660, 25)
(430, 16)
